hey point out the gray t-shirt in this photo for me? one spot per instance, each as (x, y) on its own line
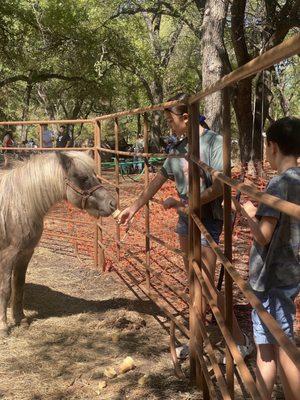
(278, 263)
(211, 153)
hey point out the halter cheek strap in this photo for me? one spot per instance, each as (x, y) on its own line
(84, 194)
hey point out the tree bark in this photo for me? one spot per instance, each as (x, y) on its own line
(212, 66)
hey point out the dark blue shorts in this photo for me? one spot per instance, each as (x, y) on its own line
(214, 227)
(280, 303)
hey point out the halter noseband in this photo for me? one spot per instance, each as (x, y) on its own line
(85, 194)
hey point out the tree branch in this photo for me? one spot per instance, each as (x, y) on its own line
(40, 77)
(238, 31)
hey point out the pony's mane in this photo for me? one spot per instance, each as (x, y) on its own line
(29, 190)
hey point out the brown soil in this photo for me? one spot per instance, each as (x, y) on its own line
(81, 323)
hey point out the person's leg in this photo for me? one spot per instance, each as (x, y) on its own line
(6, 160)
(289, 375)
(285, 315)
(184, 247)
(266, 369)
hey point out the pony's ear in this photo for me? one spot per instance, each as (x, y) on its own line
(90, 153)
(65, 161)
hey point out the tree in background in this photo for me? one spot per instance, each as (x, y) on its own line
(78, 59)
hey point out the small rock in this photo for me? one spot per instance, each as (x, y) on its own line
(110, 372)
(127, 365)
(115, 337)
(144, 380)
(101, 385)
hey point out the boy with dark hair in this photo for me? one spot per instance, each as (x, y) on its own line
(275, 258)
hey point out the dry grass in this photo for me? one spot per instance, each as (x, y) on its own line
(81, 323)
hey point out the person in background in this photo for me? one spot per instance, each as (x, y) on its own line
(138, 148)
(63, 137)
(8, 141)
(274, 266)
(48, 136)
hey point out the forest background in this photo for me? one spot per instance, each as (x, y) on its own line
(80, 58)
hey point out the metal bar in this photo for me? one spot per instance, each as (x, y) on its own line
(195, 251)
(210, 391)
(107, 181)
(210, 294)
(177, 368)
(141, 110)
(227, 233)
(117, 178)
(99, 233)
(145, 155)
(62, 235)
(211, 354)
(291, 350)
(281, 205)
(147, 205)
(155, 300)
(56, 219)
(40, 134)
(167, 246)
(286, 49)
(173, 289)
(34, 149)
(48, 122)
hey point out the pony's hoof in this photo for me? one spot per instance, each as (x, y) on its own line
(3, 333)
(24, 323)
(21, 321)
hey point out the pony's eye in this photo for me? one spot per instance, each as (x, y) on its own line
(83, 179)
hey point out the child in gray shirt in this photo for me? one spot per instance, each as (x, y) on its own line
(275, 259)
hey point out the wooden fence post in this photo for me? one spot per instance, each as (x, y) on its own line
(227, 233)
(147, 206)
(100, 256)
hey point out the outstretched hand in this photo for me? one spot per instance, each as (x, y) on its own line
(170, 202)
(125, 216)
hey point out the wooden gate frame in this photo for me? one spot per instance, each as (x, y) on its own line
(198, 286)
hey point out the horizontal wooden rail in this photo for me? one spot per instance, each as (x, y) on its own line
(141, 110)
(33, 149)
(288, 48)
(48, 122)
(290, 349)
(144, 155)
(275, 202)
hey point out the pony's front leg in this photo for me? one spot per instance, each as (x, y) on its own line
(6, 266)
(18, 282)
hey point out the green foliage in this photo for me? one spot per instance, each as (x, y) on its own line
(78, 59)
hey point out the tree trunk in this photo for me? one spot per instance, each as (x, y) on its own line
(212, 54)
(262, 105)
(25, 113)
(243, 112)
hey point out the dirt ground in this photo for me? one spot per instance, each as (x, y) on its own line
(82, 323)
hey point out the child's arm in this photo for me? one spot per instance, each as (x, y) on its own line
(262, 230)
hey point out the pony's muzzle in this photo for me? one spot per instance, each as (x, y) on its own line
(113, 205)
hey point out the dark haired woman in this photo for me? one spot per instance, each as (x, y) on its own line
(8, 141)
(211, 193)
